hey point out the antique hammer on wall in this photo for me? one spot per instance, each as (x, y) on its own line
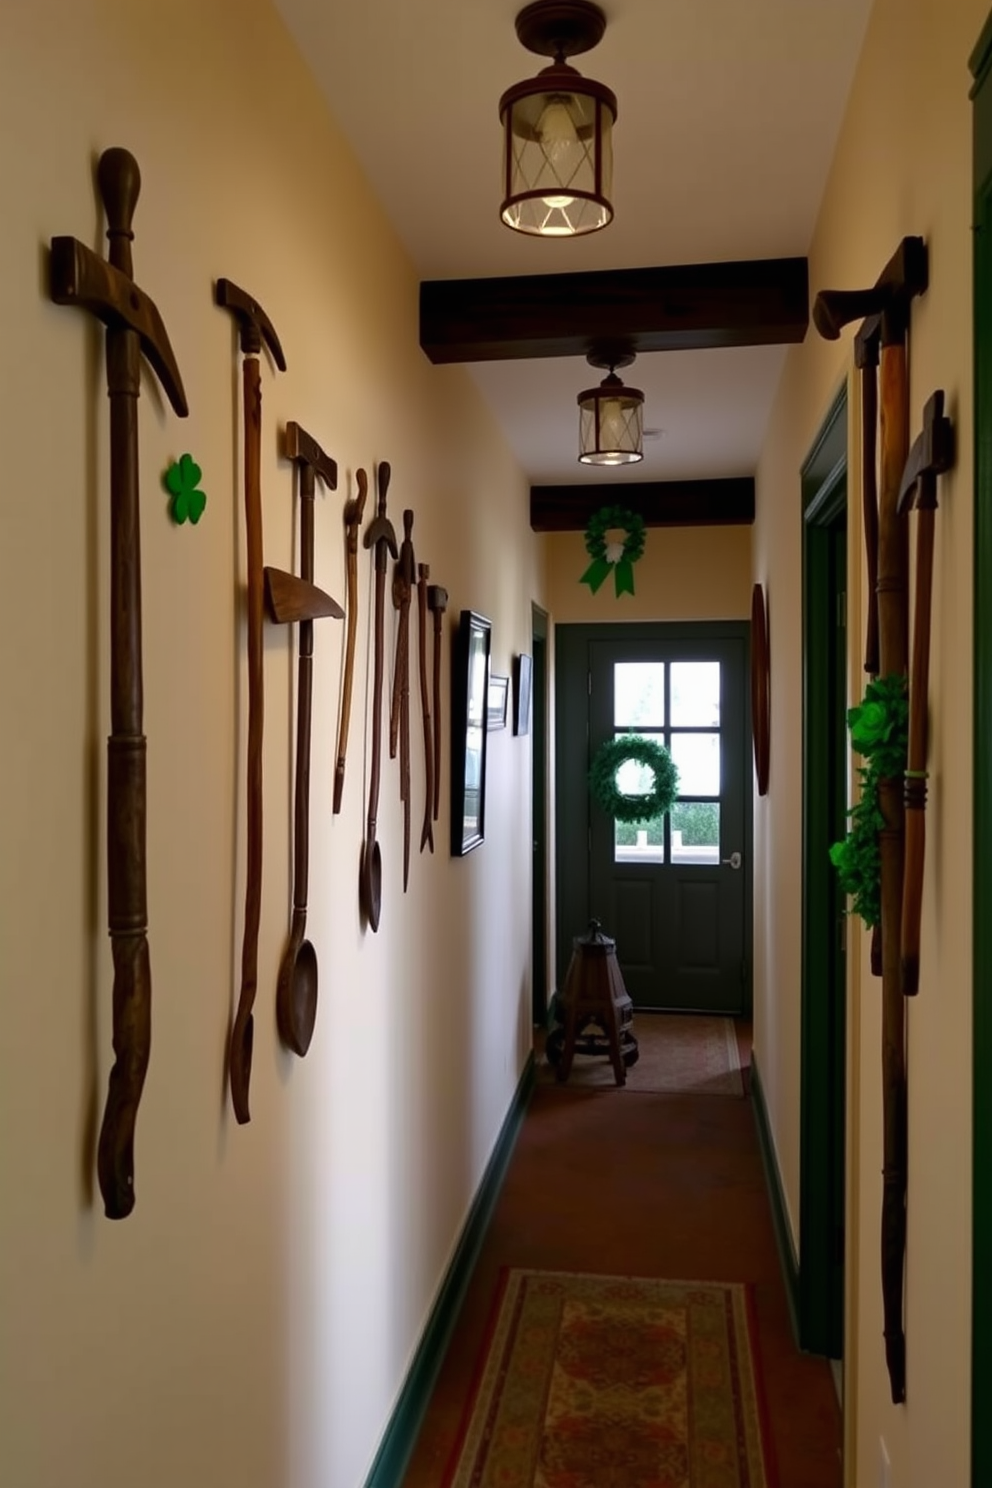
(107, 289)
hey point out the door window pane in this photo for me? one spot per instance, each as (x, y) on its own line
(695, 694)
(696, 832)
(697, 757)
(640, 842)
(639, 694)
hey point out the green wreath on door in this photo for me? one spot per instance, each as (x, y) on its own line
(610, 759)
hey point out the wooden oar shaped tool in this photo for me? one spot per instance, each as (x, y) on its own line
(427, 831)
(378, 535)
(437, 603)
(353, 513)
(932, 454)
(254, 327)
(298, 599)
(134, 329)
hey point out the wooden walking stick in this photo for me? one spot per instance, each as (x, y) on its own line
(134, 327)
(437, 603)
(399, 724)
(297, 599)
(427, 830)
(904, 277)
(353, 513)
(931, 455)
(254, 326)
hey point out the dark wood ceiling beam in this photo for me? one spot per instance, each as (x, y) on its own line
(755, 302)
(688, 503)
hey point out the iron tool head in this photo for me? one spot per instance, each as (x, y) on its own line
(252, 320)
(932, 454)
(904, 277)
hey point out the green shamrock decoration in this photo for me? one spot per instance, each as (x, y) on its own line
(182, 479)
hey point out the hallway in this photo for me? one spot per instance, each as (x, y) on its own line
(627, 1182)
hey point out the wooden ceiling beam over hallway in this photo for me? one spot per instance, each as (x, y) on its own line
(687, 503)
(686, 307)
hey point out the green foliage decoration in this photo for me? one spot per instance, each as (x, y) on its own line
(618, 557)
(879, 728)
(603, 778)
(181, 481)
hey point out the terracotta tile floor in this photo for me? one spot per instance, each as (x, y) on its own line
(650, 1185)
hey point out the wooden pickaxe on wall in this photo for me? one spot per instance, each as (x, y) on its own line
(253, 326)
(932, 454)
(134, 327)
(904, 277)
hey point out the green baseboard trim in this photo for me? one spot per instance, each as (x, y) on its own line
(776, 1197)
(398, 1440)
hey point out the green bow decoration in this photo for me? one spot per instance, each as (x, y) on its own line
(620, 558)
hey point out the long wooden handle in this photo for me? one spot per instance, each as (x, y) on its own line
(916, 767)
(353, 520)
(242, 1034)
(427, 830)
(126, 789)
(304, 701)
(380, 603)
(869, 494)
(893, 627)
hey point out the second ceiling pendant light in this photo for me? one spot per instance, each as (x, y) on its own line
(611, 416)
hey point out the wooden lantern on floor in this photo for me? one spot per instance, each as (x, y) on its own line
(593, 1011)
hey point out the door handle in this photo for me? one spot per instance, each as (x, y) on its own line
(734, 860)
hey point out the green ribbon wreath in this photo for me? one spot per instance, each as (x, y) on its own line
(879, 729)
(616, 556)
(603, 778)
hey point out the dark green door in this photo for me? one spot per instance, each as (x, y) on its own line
(675, 892)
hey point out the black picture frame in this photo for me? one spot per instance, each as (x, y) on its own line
(469, 706)
(522, 673)
(496, 707)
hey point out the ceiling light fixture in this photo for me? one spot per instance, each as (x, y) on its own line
(611, 416)
(558, 128)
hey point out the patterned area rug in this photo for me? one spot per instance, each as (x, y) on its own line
(614, 1382)
(679, 1054)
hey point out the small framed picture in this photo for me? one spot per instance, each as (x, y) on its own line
(521, 694)
(499, 688)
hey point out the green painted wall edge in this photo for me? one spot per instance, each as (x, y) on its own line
(398, 1440)
(776, 1198)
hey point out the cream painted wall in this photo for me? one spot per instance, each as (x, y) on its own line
(686, 573)
(251, 1323)
(903, 165)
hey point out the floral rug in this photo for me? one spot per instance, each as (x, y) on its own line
(614, 1382)
(679, 1054)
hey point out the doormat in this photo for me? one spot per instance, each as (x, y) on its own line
(615, 1382)
(679, 1054)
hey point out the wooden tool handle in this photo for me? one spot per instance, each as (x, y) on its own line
(869, 488)
(132, 1041)
(427, 831)
(119, 180)
(243, 1031)
(380, 599)
(915, 792)
(437, 714)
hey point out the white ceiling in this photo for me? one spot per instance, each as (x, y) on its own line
(728, 112)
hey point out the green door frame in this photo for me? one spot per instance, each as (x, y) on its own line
(539, 808)
(981, 1285)
(824, 1032)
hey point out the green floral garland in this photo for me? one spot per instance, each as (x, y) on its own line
(603, 778)
(604, 558)
(879, 730)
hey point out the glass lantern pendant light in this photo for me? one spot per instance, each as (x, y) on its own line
(611, 416)
(558, 128)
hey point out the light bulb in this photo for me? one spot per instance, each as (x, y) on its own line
(612, 426)
(559, 144)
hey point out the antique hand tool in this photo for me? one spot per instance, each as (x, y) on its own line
(378, 535)
(291, 598)
(353, 513)
(253, 325)
(399, 718)
(437, 603)
(107, 289)
(904, 277)
(427, 831)
(932, 454)
(866, 360)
